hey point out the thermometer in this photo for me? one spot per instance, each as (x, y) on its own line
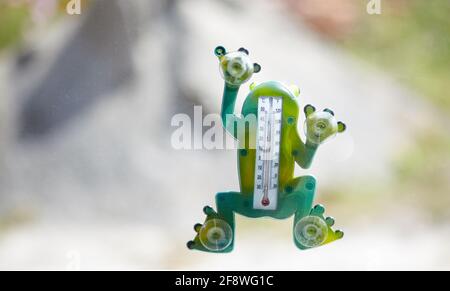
(267, 153)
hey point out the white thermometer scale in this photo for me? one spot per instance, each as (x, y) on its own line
(268, 153)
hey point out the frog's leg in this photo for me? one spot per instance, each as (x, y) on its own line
(311, 228)
(216, 235)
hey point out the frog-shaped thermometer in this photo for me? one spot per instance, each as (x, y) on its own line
(268, 152)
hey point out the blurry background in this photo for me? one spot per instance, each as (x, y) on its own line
(88, 177)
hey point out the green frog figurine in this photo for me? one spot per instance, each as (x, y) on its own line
(268, 151)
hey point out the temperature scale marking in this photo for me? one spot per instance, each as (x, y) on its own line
(268, 153)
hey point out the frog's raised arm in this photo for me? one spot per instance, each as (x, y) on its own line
(320, 126)
(236, 69)
(303, 152)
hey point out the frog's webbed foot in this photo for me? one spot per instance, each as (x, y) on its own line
(236, 67)
(215, 235)
(315, 230)
(321, 125)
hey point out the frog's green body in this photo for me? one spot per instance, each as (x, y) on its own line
(295, 195)
(289, 136)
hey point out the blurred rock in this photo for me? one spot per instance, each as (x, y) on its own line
(96, 61)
